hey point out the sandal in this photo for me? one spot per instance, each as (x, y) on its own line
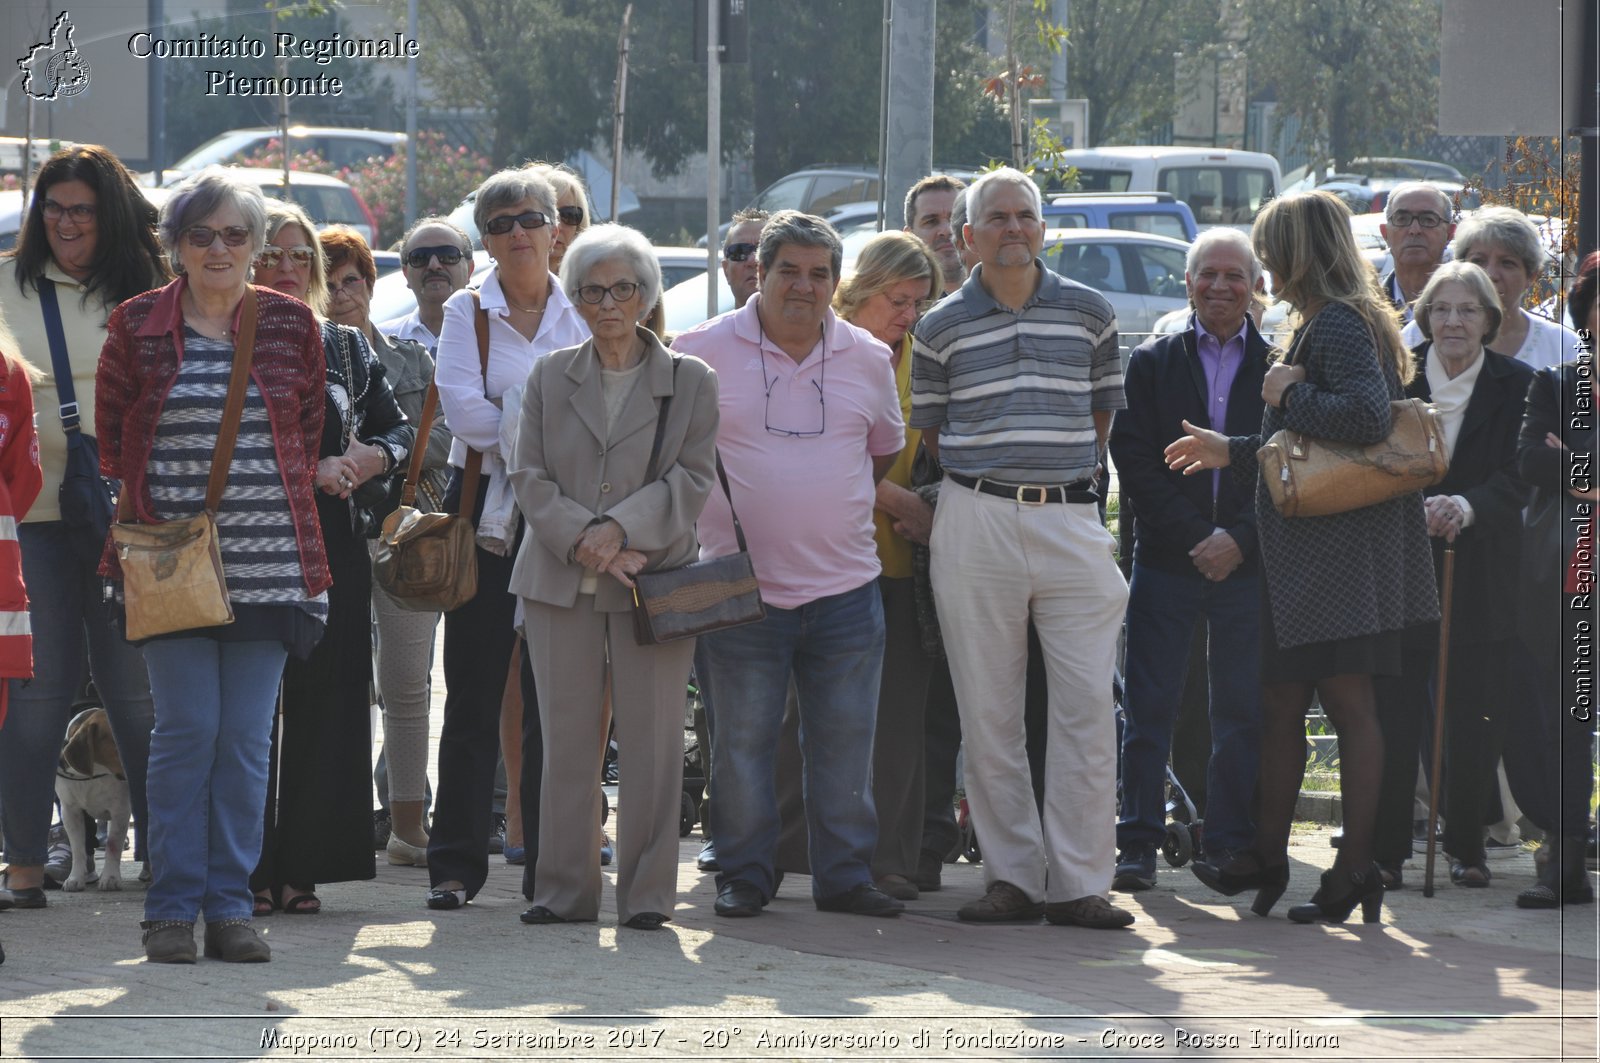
(264, 905)
(1472, 876)
(303, 903)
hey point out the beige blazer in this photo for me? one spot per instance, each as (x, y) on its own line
(565, 471)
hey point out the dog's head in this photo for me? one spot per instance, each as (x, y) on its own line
(90, 748)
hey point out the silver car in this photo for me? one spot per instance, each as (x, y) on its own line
(1141, 274)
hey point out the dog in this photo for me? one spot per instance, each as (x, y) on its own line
(90, 780)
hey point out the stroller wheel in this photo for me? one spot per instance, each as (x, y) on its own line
(1178, 846)
(685, 815)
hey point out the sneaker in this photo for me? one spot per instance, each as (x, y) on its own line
(608, 851)
(1136, 869)
(380, 829)
(1501, 850)
(1003, 903)
(930, 871)
(497, 834)
(1419, 835)
(1094, 912)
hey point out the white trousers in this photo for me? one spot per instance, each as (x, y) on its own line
(996, 563)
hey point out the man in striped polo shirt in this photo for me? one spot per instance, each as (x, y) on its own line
(1014, 383)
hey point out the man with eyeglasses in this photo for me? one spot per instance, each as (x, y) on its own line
(739, 254)
(928, 206)
(1014, 381)
(436, 259)
(1417, 227)
(810, 421)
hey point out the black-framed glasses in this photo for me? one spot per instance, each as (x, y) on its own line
(620, 292)
(768, 385)
(739, 252)
(417, 257)
(82, 213)
(352, 282)
(270, 256)
(528, 219)
(202, 235)
(570, 215)
(1402, 219)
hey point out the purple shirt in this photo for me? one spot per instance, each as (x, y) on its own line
(1220, 359)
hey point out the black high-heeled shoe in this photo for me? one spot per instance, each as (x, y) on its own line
(1362, 887)
(1245, 871)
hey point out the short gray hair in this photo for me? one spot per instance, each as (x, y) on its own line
(1005, 175)
(202, 195)
(1506, 227)
(602, 243)
(1475, 280)
(958, 219)
(803, 230)
(1222, 235)
(1447, 209)
(510, 187)
(443, 222)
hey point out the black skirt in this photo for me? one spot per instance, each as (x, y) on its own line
(1377, 654)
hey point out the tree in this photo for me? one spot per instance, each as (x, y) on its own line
(1360, 74)
(1121, 59)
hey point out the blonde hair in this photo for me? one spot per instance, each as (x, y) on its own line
(1306, 242)
(886, 260)
(281, 215)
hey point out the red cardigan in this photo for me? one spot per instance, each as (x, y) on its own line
(20, 481)
(138, 365)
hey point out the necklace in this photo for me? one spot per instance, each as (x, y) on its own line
(196, 319)
(524, 309)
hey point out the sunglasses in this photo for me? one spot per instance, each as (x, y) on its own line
(202, 235)
(570, 215)
(739, 252)
(418, 257)
(270, 256)
(531, 219)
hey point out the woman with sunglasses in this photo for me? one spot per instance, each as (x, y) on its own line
(526, 316)
(319, 807)
(405, 636)
(572, 209)
(87, 241)
(161, 389)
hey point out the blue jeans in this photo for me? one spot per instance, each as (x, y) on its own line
(215, 703)
(834, 649)
(71, 623)
(1163, 608)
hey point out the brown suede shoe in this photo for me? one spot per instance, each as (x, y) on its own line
(235, 941)
(1093, 911)
(1004, 903)
(899, 887)
(168, 941)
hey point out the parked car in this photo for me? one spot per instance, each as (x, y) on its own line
(1144, 212)
(1221, 186)
(328, 200)
(1302, 178)
(339, 147)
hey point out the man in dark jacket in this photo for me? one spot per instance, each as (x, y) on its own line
(1194, 556)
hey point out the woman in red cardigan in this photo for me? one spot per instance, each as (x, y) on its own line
(20, 481)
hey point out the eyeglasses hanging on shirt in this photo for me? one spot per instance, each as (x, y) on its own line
(767, 386)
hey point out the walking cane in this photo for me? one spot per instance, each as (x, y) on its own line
(1438, 712)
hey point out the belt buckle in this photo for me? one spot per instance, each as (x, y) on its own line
(1022, 499)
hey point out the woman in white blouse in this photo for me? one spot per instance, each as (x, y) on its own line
(1506, 246)
(527, 316)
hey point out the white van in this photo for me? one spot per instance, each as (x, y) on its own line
(1223, 186)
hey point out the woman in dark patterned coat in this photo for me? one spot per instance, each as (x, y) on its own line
(1341, 589)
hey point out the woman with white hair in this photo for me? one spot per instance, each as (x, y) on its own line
(615, 458)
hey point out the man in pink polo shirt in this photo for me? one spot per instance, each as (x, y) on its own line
(810, 423)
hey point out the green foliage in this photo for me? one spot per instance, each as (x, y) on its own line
(1362, 75)
(1541, 176)
(1121, 60)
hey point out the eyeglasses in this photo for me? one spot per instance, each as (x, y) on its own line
(739, 252)
(78, 212)
(351, 283)
(202, 235)
(1443, 312)
(768, 385)
(1402, 219)
(270, 256)
(900, 306)
(417, 257)
(531, 219)
(620, 292)
(570, 215)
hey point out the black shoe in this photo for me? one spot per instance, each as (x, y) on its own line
(707, 861)
(497, 834)
(864, 899)
(1363, 887)
(738, 898)
(647, 921)
(446, 900)
(1233, 873)
(381, 827)
(930, 871)
(540, 914)
(1136, 869)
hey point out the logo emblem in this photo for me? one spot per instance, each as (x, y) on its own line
(55, 69)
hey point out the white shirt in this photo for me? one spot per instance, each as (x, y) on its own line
(472, 403)
(410, 327)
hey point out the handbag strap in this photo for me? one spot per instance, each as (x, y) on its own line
(59, 363)
(233, 408)
(661, 426)
(738, 529)
(430, 406)
(474, 467)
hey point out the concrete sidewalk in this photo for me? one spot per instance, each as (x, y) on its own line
(376, 975)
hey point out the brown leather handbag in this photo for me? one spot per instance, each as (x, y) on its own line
(698, 598)
(428, 562)
(172, 572)
(1308, 477)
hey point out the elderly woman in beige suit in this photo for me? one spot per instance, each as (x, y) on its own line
(589, 418)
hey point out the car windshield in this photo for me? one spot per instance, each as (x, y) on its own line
(1091, 180)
